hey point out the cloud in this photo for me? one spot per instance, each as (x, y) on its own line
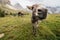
(24, 3)
(47, 2)
(35, 1)
(51, 2)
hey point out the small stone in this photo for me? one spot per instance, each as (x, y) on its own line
(1, 35)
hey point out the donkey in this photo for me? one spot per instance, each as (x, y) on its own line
(39, 12)
(20, 14)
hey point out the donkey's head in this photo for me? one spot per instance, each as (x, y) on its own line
(39, 11)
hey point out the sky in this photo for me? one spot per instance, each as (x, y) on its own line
(25, 3)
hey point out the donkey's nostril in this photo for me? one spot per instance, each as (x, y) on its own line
(39, 10)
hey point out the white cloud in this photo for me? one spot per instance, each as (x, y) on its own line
(51, 2)
(24, 3)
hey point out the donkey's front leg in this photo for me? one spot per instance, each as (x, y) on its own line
(35, 26)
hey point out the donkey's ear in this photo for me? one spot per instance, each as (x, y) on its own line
(46, 9)
(30, 7)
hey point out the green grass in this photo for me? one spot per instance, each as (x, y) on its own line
(20, 28)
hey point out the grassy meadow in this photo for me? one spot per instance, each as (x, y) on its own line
(20, 28)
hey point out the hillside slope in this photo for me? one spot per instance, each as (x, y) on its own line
(20, 28)
(6, 8)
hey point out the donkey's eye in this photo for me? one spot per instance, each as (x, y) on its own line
(32, 7)
(39, 10)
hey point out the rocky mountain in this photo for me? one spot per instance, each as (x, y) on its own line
(4, 2)
(18, 6)
(6, 6)
(53, 9)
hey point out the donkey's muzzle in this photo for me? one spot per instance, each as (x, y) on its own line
(42, 15)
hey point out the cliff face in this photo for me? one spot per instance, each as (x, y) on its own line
(4, 2)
